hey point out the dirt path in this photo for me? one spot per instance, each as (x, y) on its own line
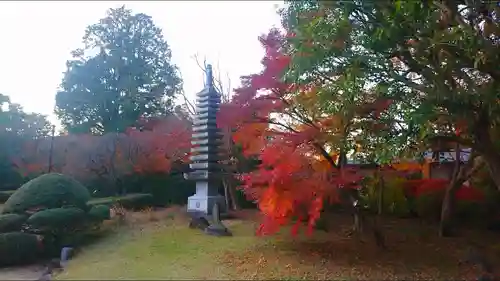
(29, 272)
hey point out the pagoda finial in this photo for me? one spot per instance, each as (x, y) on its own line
(209, 79)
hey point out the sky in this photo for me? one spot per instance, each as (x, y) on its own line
(37, 38)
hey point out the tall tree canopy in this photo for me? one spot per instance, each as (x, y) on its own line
(17, 127)
(123, 72)
(377, 77)
(15, 122)
(436, 61)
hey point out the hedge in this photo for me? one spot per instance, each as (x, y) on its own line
(57, 218)
(11, 222)
(47, 191)
(129, 201)
(100, 212)
(19, 248)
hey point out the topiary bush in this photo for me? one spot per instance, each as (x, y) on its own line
(19, 248)
(57, 218)
(100, 212)
(46, 192)
(11, 222)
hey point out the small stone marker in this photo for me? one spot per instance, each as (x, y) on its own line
(66, 254)
(217, 228)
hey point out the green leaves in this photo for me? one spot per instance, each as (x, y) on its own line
(130, 77)
(428, 63)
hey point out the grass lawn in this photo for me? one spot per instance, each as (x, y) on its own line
(165, 248)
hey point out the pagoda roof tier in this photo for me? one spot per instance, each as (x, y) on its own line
(206, 141)
(204, 121)
(208, 109)
(203, 175)
(206, 128)
(206, 115)
(208, 92)
(210, 157)
(205, 148)
(207, 135)
(210, 166)
(210, 99)
(207, 104)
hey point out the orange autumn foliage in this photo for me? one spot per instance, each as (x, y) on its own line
(407, 166)
(294, 178)
(160, 142)
(289, 185)
(151, 147)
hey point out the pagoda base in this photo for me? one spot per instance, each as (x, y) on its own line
(201, 203)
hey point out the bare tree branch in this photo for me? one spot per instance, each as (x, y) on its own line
(187, 103)
(223, 88)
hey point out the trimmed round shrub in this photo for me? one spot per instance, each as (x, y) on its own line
(11, 222)
(46, 192)
(57, 218)
(100, 212)
(19, 248)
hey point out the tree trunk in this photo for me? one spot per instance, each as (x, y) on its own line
(229, 195)
(485, 146)
(449, 200)
(380, 200)
(448, 207)
(461, 174)
(492, 160)
(226, 194)
(232, 196)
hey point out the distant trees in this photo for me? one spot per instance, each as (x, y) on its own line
(15, 126)
(123, 72)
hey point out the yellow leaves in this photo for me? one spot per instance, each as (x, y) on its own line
(252, 137)
(322, 165)
(308, 99)
(330, 122)
(407, 166)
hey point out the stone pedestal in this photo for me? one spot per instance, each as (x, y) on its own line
(205, 204)
(204, 199)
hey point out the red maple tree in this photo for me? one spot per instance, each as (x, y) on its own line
(298, 170)
(158, 142)
(151, 147)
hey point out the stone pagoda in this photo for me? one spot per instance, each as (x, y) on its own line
(206, 140)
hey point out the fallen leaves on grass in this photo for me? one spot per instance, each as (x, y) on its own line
(334, 256)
